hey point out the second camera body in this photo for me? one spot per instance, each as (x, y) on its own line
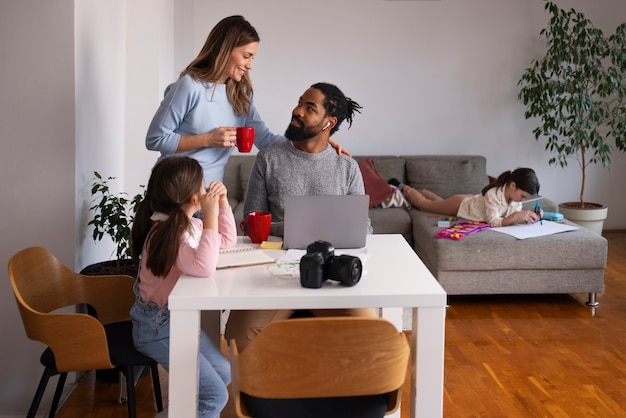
(320, 264)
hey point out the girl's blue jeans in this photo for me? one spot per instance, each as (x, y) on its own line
(151, 335)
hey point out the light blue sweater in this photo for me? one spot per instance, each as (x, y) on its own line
(190, 108)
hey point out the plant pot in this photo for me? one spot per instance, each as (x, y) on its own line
(592, 216)
(128, 267)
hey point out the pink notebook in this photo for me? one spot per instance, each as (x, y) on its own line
(461, 229)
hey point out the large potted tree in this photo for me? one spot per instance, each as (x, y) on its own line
(577, 91)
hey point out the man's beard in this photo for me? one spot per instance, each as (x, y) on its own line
(300, 134)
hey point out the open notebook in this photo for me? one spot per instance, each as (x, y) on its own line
(242, 255)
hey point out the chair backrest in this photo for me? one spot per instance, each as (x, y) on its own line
(42, 285)
(322, 358)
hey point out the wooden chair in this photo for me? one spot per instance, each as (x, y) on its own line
(77, 341)
(331, 367)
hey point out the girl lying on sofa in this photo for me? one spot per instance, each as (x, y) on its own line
(498, 204)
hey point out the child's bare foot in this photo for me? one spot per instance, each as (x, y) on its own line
(430, 195)
(413, 196)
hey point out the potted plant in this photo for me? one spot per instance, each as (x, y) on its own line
(113, 215)
(578, 92)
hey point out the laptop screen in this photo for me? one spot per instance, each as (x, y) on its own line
(341, 220)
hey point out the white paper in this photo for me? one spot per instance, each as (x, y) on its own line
(285, 270)
(534, 230)
(288, 265)
(294, 256)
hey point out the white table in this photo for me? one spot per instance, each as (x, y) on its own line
(394, 277)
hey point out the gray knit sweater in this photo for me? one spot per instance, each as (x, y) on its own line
(282, 170)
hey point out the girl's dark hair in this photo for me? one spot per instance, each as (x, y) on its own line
(524, 178)
(337, 104)
(174, 180)
(214, 57)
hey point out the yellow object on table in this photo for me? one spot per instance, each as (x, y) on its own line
(272, 245)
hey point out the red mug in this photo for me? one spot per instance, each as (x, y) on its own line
(257, 226)
(245, 138)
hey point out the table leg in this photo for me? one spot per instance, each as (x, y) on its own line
(394, 315)
(427, 357)
(183, 373)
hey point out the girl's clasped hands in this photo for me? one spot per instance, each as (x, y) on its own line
(214, 198)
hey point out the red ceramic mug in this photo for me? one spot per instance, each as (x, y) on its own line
(256, 226)
(245, 138)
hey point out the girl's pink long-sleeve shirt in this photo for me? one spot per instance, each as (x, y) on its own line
(197, 256)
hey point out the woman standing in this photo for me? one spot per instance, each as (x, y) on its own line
(213, 95)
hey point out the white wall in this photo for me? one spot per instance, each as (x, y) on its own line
(100, 58)
(36, 166)
(434, 77)
(80, 85)
(123, 52)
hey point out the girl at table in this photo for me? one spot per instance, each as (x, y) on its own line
(498, 204)
(170, 242)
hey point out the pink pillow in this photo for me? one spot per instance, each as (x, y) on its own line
(375, 186)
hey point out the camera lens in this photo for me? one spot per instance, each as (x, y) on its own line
(355, 275)
(345, 269)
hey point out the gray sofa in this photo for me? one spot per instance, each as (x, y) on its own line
(487, 262)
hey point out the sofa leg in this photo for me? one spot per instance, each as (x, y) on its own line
(592, 301)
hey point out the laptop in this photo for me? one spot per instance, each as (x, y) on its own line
(340, 220)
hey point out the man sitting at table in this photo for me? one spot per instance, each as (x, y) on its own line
(304, 165)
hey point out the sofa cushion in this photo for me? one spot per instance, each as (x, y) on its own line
(447, 175)
(232, 179)
(375, 186)
(388, 166)
(244, 172)
(392, 221)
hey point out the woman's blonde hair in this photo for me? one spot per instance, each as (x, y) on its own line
(212, 61)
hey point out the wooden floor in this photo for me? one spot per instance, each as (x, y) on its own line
(506, 356)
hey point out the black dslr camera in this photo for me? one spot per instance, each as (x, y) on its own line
(320, 264)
